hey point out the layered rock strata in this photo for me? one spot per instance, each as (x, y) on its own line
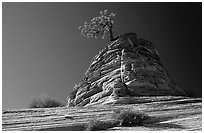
(166, 113)
(127, 67)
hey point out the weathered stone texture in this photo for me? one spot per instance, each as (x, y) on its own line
(128, 66)
(166, 113)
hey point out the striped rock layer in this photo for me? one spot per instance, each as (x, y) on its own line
(167, 113)
(127, 67)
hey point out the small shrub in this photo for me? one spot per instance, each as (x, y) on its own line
(44, 102)
(129, 117)
(122, 117)
(97, 125)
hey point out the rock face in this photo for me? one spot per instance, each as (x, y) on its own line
(129, 66)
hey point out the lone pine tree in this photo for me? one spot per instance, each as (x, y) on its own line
(99, 26)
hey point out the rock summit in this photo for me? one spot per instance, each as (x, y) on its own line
(128, 67)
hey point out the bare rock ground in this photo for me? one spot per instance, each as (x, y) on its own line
(166, 113)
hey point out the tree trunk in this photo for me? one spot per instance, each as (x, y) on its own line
(111, 32)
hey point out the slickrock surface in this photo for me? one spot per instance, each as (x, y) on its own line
(129, 66)
(166, 113)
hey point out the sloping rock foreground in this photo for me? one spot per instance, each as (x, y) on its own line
(129, 66)
(166, 113)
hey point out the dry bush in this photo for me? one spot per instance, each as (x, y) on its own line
(44, 102)
(97, 125)
(122, 117)
(129, 117)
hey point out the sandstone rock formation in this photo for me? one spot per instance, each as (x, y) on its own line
(129, 66)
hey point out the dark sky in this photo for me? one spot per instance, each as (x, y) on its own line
(43, 51)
